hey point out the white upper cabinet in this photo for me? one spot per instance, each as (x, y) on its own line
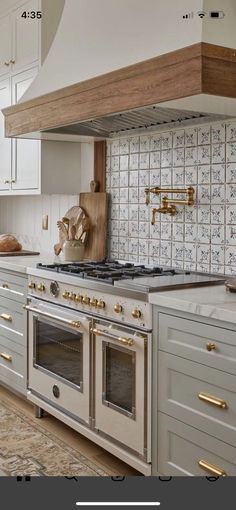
(5, 45)
(5, 143)
(26, 22)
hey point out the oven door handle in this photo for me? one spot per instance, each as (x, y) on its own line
(73, 324)
(120, 339)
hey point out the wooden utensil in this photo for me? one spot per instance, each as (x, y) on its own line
(74, 216)
(95, 205)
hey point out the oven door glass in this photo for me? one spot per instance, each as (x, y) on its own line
(59, 350)
(119, 379)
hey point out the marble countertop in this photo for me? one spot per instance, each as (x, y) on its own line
(213, 301)
(20, 264)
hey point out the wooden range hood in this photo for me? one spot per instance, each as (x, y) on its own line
(200, 71)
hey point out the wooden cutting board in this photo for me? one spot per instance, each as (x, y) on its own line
(95, 205)
(21, 253)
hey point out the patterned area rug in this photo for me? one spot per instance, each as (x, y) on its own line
(28, 449)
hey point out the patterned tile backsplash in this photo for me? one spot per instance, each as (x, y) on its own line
(201, 237)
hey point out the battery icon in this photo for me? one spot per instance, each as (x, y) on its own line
(217, 14)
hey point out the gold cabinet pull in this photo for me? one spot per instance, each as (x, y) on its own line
(210, 346)
(120, 339)
(218, 402)
(7, 181)
(6, 317)
(211, 468)
(7, 357)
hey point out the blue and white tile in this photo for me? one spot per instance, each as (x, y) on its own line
(155, 230)
(217, 269)
(165, 249)
(143, 247)
(204, 155)
(180, 215)
(115, 147)
(134, 161)
(203, 268)
(143, 260)
(204, 174)
(133, 229)
(155, 142)
(144, 213)
(133, 196)
(115, 196)
(166, 177)
(124, 212)
(124, 195)
(231, 131)
(217, 234)
(231, 193)
(204, 214)
(134, 144)
(231, 152)
(218, 215)
(133, 212)
(191, 137)
(155, 159)
(230, 215)
(124, 179)
(166, 140)
(155, 177)
(123, 247)
(108, 164)
(218, 194)
(218, 133)
(178, 157)
(203, 254)
(133, 179)
(124, 146)
(178, 176)
(230, 256)
(108, 181)
(165, 262)
(231, 270)
(115, 164)
(124, 162)
(191, 173)
(178, 232)
(113, 255)
(166, 158)
(108, 148)
(133, 247)
(144, 229)
(231, 173)
(142, 196)
(124, 228)
(190, 232)
(144, 160)
(204, 194)
(178, 138)
(114, 243)
(191, 156)
(218, 153)
(230, 234)
(190, 252)
(115, 180)
(113, 228)
(190, 215)
(144, 143)
(115, 211)
(166, 230)
(177, 251)
(204, 234)
(217, 174)
(204, 135)
(144, 177)
(178, 264)
(217, 255)
(190, 266)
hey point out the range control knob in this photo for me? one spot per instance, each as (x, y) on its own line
(31, 285)
(136, 313)
(72, 296)
(94, 302)
(118, 308)
(86, 300)
(41, 287)
(101, 304)
(78, 298)
(65, 294)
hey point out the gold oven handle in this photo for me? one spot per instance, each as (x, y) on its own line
(6, 317)
(120, 339)
(214, 470)
(7, 357)
(73, 324)
(218, 402)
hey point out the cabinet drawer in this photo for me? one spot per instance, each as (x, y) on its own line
(12, 366)
(181, 448)
(191, 340)
(12, 317)
(13, 286)
(182, 382)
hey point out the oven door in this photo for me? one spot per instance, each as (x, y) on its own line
(59, 358)
(121, 386)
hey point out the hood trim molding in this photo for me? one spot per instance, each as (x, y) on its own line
(197, 69)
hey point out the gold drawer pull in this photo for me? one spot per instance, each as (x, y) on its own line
(7, 357)
(107, 334)
(6, 317)
(210, 347)
(211, 468)
(213, 400)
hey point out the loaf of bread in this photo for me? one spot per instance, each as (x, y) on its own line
(9, 243)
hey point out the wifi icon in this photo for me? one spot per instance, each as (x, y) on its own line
(201, 14)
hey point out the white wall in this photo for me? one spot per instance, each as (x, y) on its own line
(220, 31)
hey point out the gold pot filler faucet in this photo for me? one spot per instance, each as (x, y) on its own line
(167, 204)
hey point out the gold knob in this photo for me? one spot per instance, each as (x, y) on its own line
(5, 286)
(101, 304)
(86, 300)
(6, 63)
(65, 294)
(78, 298)
(210, 346)
(94, 302)
(31, 285)
(136, 314)
(41, 287)
(71, 296)
(118, 308)
(12, 61)
(13, 181)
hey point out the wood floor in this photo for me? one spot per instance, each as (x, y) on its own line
(101, 458)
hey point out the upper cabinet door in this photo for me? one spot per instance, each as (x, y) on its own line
(5, 143)
(26, 31)
(5, 45)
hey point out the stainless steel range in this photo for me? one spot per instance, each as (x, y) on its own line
(90, 346)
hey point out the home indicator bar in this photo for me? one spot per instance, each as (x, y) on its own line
(118, 503)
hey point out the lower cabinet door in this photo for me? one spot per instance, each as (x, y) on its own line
(185, 451)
